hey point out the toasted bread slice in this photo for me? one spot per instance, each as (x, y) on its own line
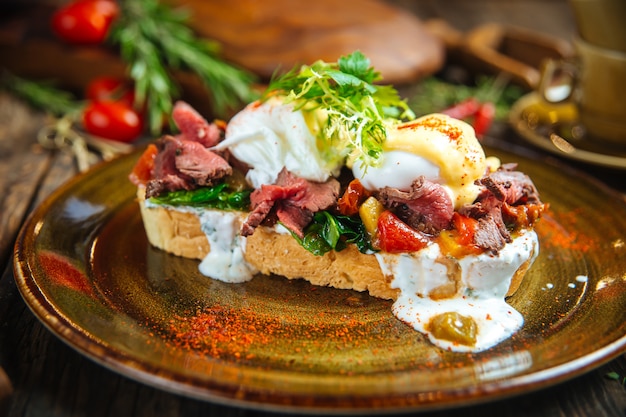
(179, 232)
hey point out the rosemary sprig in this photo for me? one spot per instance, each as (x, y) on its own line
(43, 95)
(154, 40)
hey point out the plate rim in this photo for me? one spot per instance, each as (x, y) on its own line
(529, 134)
(79, 340)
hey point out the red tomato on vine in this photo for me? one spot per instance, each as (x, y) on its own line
(110, 88)
(85, 21)
(114, 120)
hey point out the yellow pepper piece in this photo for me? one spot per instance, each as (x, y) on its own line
(370, 211)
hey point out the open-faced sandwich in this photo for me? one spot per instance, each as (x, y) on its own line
(330, 178)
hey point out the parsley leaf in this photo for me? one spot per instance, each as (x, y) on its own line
(358, 110)
(358, 65)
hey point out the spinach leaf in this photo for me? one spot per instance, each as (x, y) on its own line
(334, 232)
(219, 196)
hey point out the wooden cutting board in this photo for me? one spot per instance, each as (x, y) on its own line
(259, 36)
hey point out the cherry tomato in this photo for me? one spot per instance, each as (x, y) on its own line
(396, 236)
(85, 21)
(112, 120)
(110, 88)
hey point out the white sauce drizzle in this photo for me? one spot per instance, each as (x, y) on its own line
(225, 261)
(483, 284)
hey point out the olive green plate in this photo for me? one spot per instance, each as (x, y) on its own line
(83, 265)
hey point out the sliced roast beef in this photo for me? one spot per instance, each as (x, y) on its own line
(292, 200)
(502, 188)
(201, 164)
(184, 165)
(489, 234)
(293, 217)
(510, 186)
(426, 207)
(166, 183)
(257, 216)
(316, 196)
(165, 175)
(194, 127)
(492, 233)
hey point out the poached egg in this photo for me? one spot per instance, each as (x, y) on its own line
(442, 149)
(270, 135)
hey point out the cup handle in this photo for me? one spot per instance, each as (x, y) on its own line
(557, 83)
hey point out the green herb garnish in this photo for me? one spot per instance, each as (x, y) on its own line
(358, 110)
(154, 39)
(333, 232)
(219, 197)
(617, 377)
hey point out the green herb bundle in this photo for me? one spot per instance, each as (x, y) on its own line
(154, 40)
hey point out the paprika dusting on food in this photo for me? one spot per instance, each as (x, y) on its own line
(435, 123)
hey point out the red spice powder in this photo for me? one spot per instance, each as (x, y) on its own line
(437, 124)
(558, 230)
(218, 331)
(62, 272)
(237, 333)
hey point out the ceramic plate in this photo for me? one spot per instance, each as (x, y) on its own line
(548, 137)
(83, 265)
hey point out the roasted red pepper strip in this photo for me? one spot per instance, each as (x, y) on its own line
(142, 171)
(352, 198)
(395, 236)
(465, 228)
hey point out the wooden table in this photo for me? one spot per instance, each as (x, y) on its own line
(50, 379)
